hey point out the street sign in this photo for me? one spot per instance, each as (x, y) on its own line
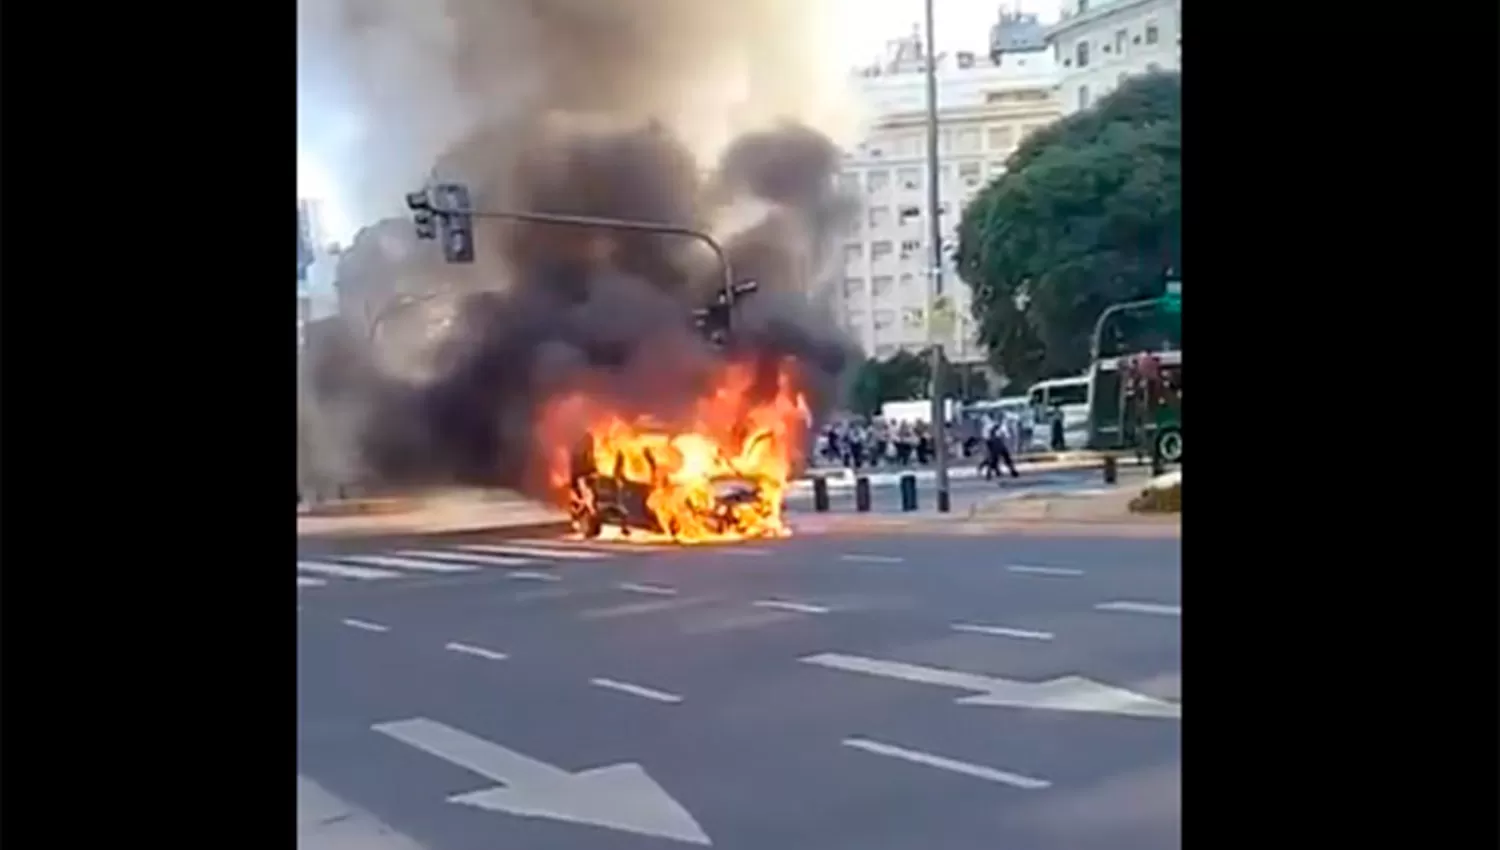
(620, 796)
(942, 321)
(1067, 693)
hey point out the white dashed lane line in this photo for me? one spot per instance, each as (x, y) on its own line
(1001, 631)
(636, 690)
(1045, 571)
(476, 651)
(531, 575)
(978, 771)
(871, 559)
(1128, 607)
(648, 589)
(797, 607)
(365, 625)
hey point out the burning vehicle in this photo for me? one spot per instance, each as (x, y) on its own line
(718, 475)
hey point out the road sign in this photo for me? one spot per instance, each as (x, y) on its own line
(942, 320)
(620, 796)
(1068, 693)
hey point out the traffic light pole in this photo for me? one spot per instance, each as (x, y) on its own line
(935, 233)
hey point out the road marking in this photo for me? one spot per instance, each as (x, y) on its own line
(304, 581)
(326, 822)
(797, 607)
(978, 771)
(544, 593)
(638, 608)
(649, 589)
(618, 796)
(345, 571)
(536, 552)
(744, 551)
(409, 564)
(478, 651)
(636, 690)
(601, 546)
(1141, 608)
(532, 575)
(468, 557)
(366, 625)
(872, 559)
(1065, 693)
(1001, 631)
(1046, 571)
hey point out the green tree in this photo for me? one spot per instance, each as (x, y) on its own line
(1087, 214)
(900, 377)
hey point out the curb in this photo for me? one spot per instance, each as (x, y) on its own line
(358, 507)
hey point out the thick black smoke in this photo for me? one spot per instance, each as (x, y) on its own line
(548, 310)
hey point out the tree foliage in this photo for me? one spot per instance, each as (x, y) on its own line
(906, 376)
(1088, 213)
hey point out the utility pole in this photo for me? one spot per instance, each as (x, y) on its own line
(935, 291)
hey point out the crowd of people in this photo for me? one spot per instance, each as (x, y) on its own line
(872, 442)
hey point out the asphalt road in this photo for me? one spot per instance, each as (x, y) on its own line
(820, 692)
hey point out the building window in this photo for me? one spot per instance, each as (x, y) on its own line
(879, 217)
(910, 178)
(1120, 38)
(994, 169)
(908, 284)
(910, 248)
(969, 173)
(879, 180)
(1001, 138)
(880, 251)
(854, 287)
(1152, 34)
(1083, 6)
(913, 317)
(884, 319)
(854, 255)
(881, 285)
(967, 141)
(908, 215)
(1083, 97)
(1082, 54)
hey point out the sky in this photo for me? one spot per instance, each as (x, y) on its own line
(867, 26)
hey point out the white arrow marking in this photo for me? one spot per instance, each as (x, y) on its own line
(620, 796)
(1068, 693)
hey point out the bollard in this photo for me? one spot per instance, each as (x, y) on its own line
(943, 505)
(862, 494)
(1157, 466)
(820, 494)
(1111, 471)
(908, 492)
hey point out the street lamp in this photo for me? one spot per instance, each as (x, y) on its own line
(935, 291)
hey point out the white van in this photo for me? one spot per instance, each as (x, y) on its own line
(1072, 396)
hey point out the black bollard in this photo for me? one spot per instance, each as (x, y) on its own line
(1111, 471)
(1158, 466)
(862, 494)
(820, 494)
(908, 492)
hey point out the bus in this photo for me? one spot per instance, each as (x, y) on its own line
(1115, 423)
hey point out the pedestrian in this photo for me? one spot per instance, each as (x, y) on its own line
(996, 452)
(1058, 442)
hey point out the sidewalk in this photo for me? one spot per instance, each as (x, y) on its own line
(958, 469)
(436, 515)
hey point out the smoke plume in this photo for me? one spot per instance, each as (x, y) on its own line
(713, 116)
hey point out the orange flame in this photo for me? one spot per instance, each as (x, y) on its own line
(686, 474)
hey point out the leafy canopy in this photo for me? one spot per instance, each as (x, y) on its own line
(1087, 214)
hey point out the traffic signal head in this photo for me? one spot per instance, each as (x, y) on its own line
(418, 201)
(426, 225)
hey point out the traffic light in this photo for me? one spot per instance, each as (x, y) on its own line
(421, 209)
(456, 222)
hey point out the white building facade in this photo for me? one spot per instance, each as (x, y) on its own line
(1098, 44)
(985, 108)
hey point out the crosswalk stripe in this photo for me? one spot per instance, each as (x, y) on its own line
(561, 554)
(467, 558)
(344, 570)
(304, 581)
(597, 545)
(409, 564)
